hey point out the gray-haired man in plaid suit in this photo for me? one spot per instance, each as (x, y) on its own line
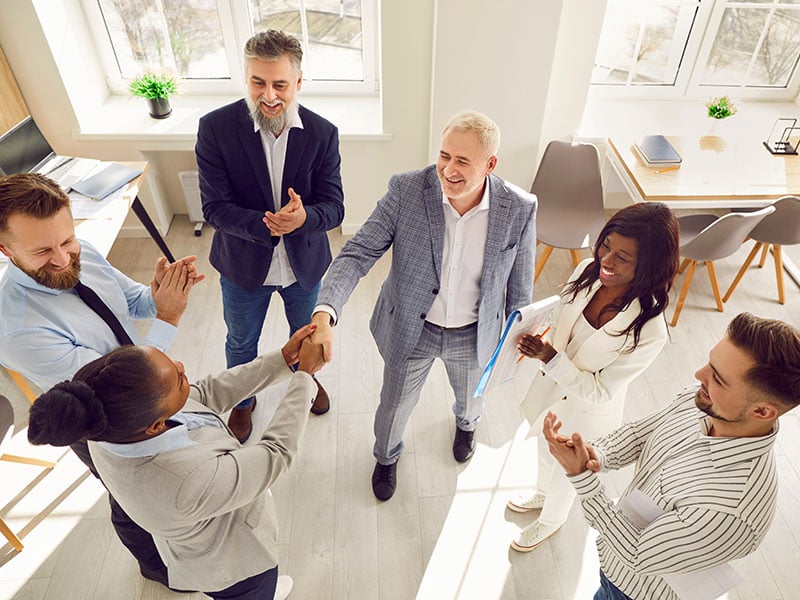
(463, 244)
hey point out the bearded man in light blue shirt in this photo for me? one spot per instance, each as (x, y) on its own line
(47, 332)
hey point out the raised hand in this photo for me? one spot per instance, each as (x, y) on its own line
(287, 219)
(172, 294)
(572, 453)
(161, 269)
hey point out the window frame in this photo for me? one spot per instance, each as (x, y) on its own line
(698, 48)
(236, 29)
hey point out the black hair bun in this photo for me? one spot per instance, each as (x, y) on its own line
(67, 413)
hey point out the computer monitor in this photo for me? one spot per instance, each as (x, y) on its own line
(23, 148)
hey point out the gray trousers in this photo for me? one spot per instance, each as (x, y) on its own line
(457, 348)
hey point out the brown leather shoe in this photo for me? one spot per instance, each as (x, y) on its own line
(241, 422)
(322, 404)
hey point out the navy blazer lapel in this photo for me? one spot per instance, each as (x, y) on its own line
(432, 199)
(294, 151)
(499, 218)
(251, 142)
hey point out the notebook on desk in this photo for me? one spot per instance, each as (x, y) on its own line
(24, 149)
(109, 180)
(656, 150)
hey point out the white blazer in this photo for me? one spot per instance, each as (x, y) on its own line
(588, 392)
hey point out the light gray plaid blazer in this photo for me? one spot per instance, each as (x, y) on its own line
(410, 220)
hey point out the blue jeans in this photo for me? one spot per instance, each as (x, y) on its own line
(608, 591)
(257, 587)
(245, 311)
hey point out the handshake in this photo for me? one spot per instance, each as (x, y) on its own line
(308, 348)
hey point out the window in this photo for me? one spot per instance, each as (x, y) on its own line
(201, 40)
(700, 47)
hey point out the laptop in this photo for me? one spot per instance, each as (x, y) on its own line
(24, 149)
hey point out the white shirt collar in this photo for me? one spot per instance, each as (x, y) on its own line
(482, 205)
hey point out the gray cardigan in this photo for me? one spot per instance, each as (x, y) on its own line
(208, 505)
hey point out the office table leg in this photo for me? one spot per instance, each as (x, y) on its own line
(141, 212)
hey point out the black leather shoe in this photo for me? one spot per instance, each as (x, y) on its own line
(463, 445)
(384, 480)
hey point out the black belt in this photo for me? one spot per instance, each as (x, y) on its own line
(462, 328)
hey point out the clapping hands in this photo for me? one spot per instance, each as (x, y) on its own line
(287, 219)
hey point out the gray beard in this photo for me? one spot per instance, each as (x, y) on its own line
(274, 125)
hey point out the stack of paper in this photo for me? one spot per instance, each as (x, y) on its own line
(655, 150)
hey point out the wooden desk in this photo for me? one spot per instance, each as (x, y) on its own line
(715, 173)
(102, 232)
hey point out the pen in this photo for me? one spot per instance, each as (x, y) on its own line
(539, 335)
(672, 168)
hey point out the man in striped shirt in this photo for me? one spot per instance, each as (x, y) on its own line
(706, 461)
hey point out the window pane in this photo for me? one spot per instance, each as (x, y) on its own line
(329, 29)
(741, 56)
(180, 36)
(642, 43)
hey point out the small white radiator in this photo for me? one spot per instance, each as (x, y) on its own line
(190, 182)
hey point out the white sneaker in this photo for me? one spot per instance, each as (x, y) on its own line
(284, 587)
(523, 503)
(534, 536)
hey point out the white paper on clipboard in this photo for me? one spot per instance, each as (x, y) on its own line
(502, 366)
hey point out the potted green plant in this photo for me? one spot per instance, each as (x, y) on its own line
(721, 108)
(157, 89)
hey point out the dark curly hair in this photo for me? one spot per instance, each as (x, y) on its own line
(111, 399)
(654, 228)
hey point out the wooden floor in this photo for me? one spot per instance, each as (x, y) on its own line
(445, 534)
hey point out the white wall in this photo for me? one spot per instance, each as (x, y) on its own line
(497, 59)
(437, 57)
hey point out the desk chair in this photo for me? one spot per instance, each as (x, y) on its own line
(6, 431)
(706, 238)
(781, 228)
(569, 190)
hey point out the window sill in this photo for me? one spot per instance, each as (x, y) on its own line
(632, 118)
(126, 119)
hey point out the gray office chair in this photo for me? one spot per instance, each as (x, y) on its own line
(6, 431)
(706, 238)
(781, 228)
(569, 188)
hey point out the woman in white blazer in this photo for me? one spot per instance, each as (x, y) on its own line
(168, 458)
(611, 326)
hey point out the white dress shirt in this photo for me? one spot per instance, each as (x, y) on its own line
(456, 304)
(280, 271)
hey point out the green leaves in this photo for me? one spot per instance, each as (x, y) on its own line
(721, 108)
(150, 85)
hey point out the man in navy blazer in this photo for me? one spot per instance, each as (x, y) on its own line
(463, 243)
(271, 188)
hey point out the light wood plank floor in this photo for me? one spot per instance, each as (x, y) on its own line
(446, 532)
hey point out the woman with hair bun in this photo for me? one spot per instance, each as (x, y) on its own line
(610, 328)
(164, 453)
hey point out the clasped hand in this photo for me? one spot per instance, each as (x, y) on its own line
(301, 350)
(287, 219)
